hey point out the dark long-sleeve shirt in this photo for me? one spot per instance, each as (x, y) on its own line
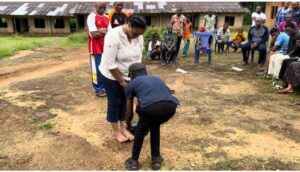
(260, 36)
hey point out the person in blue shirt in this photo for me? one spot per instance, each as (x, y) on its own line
(156, 105)
(280, 41)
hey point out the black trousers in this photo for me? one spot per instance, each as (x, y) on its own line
(150, 118)
(284, 66)
(179, 38)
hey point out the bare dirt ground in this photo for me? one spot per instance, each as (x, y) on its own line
(51, 120)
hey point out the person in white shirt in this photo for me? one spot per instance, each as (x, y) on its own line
(123, 47)
(153, 48)
(258, 14)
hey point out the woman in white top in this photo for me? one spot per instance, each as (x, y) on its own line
(123, 46)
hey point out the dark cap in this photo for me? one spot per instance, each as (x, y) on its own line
(137, 67)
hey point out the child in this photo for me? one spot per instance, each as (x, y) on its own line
(156, 105)
(153, 48)
(238, 39)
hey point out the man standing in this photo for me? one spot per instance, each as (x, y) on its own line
(178, 22)
(258, 14)
(295, 12)
(116, 16)
(210, 21)
(258, 35)
(97, 24)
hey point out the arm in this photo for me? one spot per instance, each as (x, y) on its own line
(265, 37)
(250, 36)
(129, 112)
(91, 23)
(111, 49)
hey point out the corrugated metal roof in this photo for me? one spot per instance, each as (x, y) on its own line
(71, 8)
(37, 8)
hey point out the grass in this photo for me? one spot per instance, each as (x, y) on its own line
(44, 127)
(75, 40)
(12, 44)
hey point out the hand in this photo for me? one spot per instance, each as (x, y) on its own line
(123, 83)
(298, 43)
(103, 31)
(254, 45)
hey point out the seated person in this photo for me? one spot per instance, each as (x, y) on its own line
(288, 19)
(156, 106)
(258, 35)
(153, 48)
(279, 63)
(223, 37)
(199, 45)
(239, 38)
(168, 48)
(280, 47)
(291, 77)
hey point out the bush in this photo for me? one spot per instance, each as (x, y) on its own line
(78, 38)
(151, 31)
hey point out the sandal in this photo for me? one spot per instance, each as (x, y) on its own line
(131, 165)
(156, 162)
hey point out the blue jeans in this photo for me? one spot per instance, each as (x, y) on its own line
(197, 54)
(95, 60)
(246, 49)
(116, 101)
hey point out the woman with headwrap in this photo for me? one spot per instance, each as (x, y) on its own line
(123, 47)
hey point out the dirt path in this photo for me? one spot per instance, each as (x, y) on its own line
(39, 69)
(226, 120)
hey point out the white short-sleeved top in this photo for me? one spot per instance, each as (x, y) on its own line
(256, 15)
(119, 53)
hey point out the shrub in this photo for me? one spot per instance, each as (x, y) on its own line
(79, 38)
(151, 31)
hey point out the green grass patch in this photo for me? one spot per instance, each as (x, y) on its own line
(12, 44)
(44, 127)
(76, 40)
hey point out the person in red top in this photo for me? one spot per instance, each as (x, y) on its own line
(98, 24)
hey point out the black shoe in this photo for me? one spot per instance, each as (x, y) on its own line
(131, 165)
(156, 162)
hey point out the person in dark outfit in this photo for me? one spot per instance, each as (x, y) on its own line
(258, 35)
(156, 105)
(168, 48)
(293, 49)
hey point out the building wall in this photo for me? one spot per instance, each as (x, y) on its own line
(49, 26)
(238, 21)
(62, 30)
(10, 26)
(270, 22)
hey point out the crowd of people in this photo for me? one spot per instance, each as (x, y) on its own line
(115, 44)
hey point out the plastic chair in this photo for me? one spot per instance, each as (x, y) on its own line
(206, 37)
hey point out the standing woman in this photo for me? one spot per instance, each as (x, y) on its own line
(123, 47)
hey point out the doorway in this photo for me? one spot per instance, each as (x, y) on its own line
(21, 25)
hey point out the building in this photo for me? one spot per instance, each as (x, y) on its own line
(65, 17)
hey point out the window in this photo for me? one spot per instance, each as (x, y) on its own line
(274, 12)
(59, 23)
(3, 23)
(229, 20)
(148, 20)
(39, 23)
